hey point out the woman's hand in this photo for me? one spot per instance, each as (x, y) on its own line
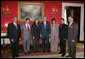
(12, 40)
(40, 35)
(33, 37)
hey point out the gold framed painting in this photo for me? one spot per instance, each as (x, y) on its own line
(31, 10)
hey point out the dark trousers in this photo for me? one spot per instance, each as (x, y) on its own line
(36, 44)
(14, 47)
(72, 48)
(63, 46)
(47, 42)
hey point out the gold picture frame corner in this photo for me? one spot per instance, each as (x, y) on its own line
(29, 3)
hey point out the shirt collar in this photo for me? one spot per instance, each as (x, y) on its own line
(71, 22)
(26, 24)
(44, 22)
(14, 23)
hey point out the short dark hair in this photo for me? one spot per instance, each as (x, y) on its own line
(70, 16)
(27, 19)
(62, 19)
(53, 20)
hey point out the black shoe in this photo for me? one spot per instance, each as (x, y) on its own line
(34, 51)
(38, 51)
(28, 52)
(48, 51)
(43, 51)
(25, 53)
(13, 56)
(60, 53)
(17, 55)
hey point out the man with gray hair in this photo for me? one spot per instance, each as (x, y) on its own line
(45, 31)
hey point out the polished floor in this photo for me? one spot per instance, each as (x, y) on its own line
(6, 52)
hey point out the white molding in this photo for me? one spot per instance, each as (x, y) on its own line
(1, 41)
(6, 41)
(81, 16)
(3, 34)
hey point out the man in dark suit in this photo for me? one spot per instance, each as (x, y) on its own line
(45, 32)
(63, 28)
(14, 34)
(72, 37)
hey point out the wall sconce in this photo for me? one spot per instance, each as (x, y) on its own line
(54, 11)
(6, 11)
(6, 24)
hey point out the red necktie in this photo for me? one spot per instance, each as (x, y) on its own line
(28, 28)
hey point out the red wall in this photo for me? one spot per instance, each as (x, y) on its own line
(48, 8)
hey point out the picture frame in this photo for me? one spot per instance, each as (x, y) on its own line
(31, 10)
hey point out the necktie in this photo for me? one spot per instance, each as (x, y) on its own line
(28, 27)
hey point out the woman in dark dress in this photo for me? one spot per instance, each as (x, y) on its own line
(35, 35)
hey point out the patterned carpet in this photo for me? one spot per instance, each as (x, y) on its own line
(78, 55)
(6, 52)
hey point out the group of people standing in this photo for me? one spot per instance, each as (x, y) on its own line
(46, 31)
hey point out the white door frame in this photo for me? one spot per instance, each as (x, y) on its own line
(81, 16)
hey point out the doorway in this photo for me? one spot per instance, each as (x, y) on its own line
(80, 22)
(75, 12)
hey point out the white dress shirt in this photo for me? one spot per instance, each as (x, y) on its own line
(45, 24)
(28, 25)
(70, 23)
(15, 24)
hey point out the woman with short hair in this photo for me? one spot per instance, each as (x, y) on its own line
(54, 36)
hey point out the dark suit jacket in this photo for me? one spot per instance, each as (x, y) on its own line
(73, 32)
(44, 32)
(35, 31)
(63, 31)
(13, 33)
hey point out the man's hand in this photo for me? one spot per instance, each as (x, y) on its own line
(33, 37)
(49, 35)
(19, 39)
(73, 41)
(12, 40)
(40, 35)
(65, 39)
